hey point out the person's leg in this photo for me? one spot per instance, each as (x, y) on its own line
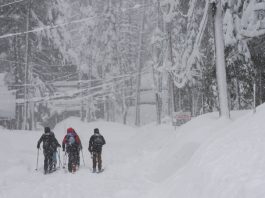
(70, 160)
(99, 162)
(45, 163)
(78, 158)
(94, 156)
(75, 161)
(50, 161)
(54, 159)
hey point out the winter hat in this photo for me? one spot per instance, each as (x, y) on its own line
(47, 130)
(96, 130)
(70, 130)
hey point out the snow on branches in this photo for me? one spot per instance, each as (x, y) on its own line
(188, 22)
(241, 20)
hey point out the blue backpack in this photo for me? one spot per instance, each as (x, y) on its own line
(71, 139)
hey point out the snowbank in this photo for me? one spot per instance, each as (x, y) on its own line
(226, 161)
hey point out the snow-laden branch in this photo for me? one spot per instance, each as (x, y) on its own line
(251, 23)
(48, 27)
(182, 71)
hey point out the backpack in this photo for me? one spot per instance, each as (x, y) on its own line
(71, 139)
(47, 141)
(98, 140)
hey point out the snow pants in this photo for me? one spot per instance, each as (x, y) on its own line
(54, 159)
(96, 157)
(72, 160)
(48, 161)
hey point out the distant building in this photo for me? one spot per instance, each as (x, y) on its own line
(7, 103)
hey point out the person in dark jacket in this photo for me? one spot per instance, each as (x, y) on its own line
(96, 143)
(49, 145)
(72, 145)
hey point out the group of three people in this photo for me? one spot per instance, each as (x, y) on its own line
(72, 146)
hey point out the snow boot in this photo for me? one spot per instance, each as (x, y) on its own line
(73, 168)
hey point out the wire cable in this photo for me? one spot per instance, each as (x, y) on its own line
(8, 4)
(49, 27)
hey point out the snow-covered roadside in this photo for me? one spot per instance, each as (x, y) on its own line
(229, 164)
(207, 157)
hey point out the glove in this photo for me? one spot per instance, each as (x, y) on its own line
(38, 146)
(59, 145)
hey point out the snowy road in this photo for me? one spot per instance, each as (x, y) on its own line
(122, 176)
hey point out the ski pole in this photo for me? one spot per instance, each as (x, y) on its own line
(64, 163)
(37, 160)
(60, 163)
(83, 157)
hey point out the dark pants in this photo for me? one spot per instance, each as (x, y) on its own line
(97, 160)
(78, 158)
(48, 161)
(72, 160)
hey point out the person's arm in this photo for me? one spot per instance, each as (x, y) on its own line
(39, 142)
(56, 141)
(63, 143)
(104, 142)
(90, 144)
(79, 142)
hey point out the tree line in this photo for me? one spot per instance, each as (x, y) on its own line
(88, 58)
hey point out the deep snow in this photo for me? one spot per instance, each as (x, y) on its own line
(207, 157)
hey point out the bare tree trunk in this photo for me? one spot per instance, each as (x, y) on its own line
(193, 98)
(238, 94)
(171, 101)
(254, 95)
(157, 77)
(26, 91)
(80, 86)
(157, 91)
(89, 100)
(32, 116)
(260, 85)
(139, 65)
(169, 95)
(18, 72)
(122, 68)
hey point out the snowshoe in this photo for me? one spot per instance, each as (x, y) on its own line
(100, 171)
(73, 168)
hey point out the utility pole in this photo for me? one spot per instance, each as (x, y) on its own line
(27, 69)
(220, 59)
(139, 71)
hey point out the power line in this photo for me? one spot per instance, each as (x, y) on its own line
(49, 27)
(8, 4)
(87, 89)
(36, 64)
(66, 97)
